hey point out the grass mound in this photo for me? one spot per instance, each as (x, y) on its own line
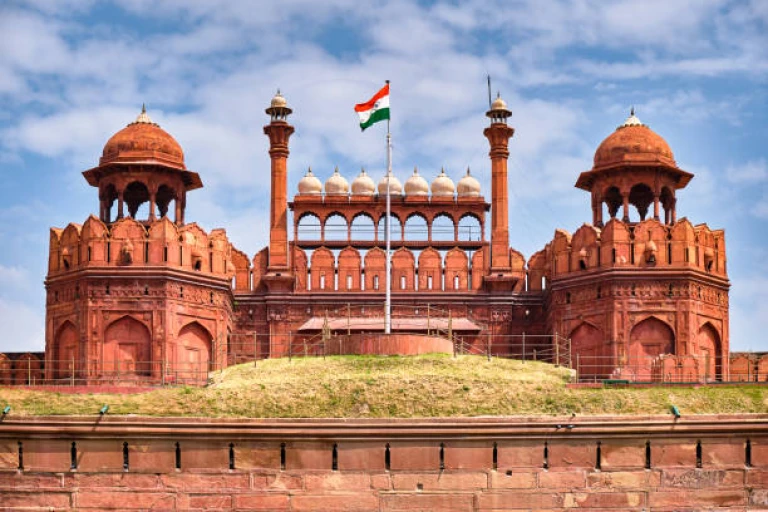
(401, 387)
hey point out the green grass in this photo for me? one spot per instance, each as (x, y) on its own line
(400, 387)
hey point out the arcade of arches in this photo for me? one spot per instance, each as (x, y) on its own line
(139, 291)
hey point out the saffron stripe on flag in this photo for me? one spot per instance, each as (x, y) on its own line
(368, 105)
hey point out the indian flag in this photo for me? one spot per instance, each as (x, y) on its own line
(375, 109)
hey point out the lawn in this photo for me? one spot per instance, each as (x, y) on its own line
(397, 387)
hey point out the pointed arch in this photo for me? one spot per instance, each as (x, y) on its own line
(375, 270)
(588, 343)
(323, 270)
(430, 271)
(127, 347)
(709, 348)
(649, 339)
(349, 269)
(403, 270)
(456, 270)
(66, 354)
(193, 352)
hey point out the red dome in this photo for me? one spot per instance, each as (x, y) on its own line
(143, 141)
(634, 143)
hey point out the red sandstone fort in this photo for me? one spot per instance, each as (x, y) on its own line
(137, 290)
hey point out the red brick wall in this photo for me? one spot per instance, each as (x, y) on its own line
(388, 465)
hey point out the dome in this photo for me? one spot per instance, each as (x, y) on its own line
(468, 186)
(395, 188)
(443, 185)
(634, 143)
(363, 185)
(416, 185)
(310, 185)
(499, 111)
(278, 101)
(143, 141)
(336, 185)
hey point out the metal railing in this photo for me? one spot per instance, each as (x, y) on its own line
(117, 372)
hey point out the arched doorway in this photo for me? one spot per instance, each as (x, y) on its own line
(648, 340)
(193, 353)
(587, 351)
(66, 351)
(708, 349)
(127, 344)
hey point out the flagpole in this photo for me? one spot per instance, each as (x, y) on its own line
(388, 299)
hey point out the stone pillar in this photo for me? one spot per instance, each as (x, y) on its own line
(625, 198)
(279, 132)
(152, 200)
(674, 210)
(498, 135)
(656, 207)
(120, 205)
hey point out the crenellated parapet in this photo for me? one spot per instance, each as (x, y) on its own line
(644, 245)
(128, 243)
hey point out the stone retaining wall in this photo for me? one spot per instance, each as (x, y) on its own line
(630, 464)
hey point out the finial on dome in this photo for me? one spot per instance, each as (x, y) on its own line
(309, 171)
(499, 111)
(278, 107)
(415, 170)
(468, 173)
(143, 117)
(632, 120)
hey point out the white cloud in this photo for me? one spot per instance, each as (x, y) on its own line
(754, 171)
(23, 327)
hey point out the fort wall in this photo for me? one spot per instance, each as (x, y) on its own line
(630, 464)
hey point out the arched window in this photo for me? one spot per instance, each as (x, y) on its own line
(336, 228)
(416, 228)
(612, 199)
(641, 197)
(308, 227)
(136, 197)
(363, 227)
(396, 229)
(470, 229)
(165, 195)
(443, 228)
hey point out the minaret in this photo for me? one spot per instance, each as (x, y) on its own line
(279, 131)
(498, 134)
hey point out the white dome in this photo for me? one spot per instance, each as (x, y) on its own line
(336, 185)
(395, 187)
(443, 186)
(416, 185)
(363, 185)
(309, 184)
(468, 186)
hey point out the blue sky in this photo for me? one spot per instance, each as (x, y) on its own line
(73, 73)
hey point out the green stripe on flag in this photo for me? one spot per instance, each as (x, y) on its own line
(376, 116)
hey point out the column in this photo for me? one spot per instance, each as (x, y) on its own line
(120, 205)
(498, 134)
(279, 132)
(152, 200)
(656, 207)
(625, 198)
